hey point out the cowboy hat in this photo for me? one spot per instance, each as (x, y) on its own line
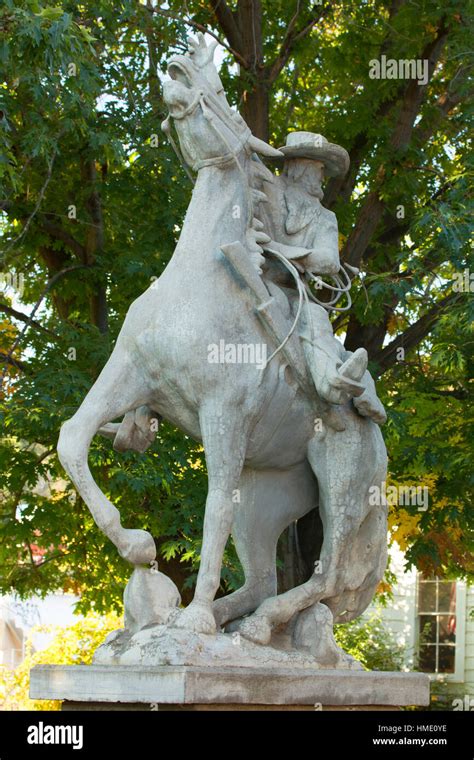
(311, 145)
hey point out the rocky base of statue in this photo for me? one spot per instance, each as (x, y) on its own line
(153, 663)
(164, 645)
(151, 636)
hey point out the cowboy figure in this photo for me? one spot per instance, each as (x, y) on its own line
(306, 233)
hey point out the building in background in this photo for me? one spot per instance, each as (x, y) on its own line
(433, 620)
(12, 635)
(18, 618)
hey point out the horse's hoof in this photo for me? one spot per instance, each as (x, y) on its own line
(197, 617)
(256, 628)
(137, 547)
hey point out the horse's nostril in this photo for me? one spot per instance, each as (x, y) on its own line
(178, 74)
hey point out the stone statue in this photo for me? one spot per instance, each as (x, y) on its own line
(281, 439)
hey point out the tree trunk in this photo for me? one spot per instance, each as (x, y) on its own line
(94, 244)
(254, 87)
(255, 110)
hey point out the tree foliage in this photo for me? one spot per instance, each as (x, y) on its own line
(371, 643)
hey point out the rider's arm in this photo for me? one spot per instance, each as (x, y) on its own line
(324, 256)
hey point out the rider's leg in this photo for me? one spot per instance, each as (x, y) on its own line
(369, 404)
(335, 382)
(324, 354)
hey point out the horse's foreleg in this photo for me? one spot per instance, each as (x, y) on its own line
(224, 441)
(260, 580)
(118, 389)
(255, 538)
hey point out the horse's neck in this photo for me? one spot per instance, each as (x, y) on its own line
(217, 214)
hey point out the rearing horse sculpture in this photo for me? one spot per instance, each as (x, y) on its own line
(256, 426)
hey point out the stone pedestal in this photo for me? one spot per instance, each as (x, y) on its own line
(111, 687)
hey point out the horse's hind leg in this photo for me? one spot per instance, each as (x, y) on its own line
(118, 389)
(269, 500)
(255, 541)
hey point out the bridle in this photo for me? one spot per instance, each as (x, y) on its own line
(201, 98)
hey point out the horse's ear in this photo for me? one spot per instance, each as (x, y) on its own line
(259, 170)
(259, 146)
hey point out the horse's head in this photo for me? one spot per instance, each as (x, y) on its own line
(210, 132)
(208, 129)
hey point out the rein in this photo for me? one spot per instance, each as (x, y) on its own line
(166, 127)
(302, 300)
(212, 117)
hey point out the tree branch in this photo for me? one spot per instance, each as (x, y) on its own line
(459, 395)
(373, 207)
(59, 233)
(226, 19)
(291, 39)
(95, 244)
(444, 105)
(203, 29)
(6, 309)
(154, 83)
(411, 104)
(8, 359)
(39, 201)
(343, 186)
(414, 334)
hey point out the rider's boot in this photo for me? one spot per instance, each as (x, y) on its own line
(369, 404)
(335, 382)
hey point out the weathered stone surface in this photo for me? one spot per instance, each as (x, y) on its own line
(149, 598)
(163, 645)
(226, 685)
